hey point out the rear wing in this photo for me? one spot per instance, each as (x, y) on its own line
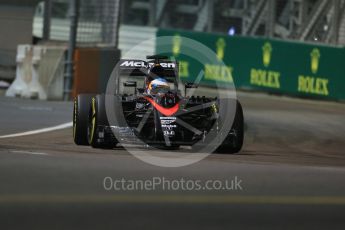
(133, 67)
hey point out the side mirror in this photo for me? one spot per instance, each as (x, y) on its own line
(130, 84)
(189, 85)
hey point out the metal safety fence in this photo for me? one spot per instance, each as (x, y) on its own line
(98, 21)
(321, 21)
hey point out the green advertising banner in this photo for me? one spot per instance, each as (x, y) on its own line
(292, 68)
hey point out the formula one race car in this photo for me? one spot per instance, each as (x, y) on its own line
(156, 114)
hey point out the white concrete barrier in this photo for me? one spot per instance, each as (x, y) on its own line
(51, 72)
(34, 89)
(41, 75)
(23, 72)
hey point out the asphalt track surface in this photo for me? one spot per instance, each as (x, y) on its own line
(291, 173)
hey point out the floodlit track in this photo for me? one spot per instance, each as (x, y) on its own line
(291, 171)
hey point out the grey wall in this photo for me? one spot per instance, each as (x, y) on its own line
(15, 28)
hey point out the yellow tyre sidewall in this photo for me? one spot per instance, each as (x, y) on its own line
(75, 111)
(93, 120)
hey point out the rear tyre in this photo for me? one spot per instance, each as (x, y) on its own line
(98, 123)
(80, 118)
(234, 141)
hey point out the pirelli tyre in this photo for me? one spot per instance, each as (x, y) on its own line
(81, 118)
(98, 132)
(234, 141)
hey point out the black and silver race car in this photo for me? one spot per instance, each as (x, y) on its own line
(156, 114)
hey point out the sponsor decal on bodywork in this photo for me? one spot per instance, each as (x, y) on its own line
(161, 109)
(139, 64)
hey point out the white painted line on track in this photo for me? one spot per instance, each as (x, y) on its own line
(28, 152)
(38, 131)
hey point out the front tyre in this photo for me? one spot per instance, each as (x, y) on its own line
(80, 118)
(99, 133)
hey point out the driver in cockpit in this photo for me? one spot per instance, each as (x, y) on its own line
(155, 81)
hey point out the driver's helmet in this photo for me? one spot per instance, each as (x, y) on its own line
(159, 85)
(156, 70)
